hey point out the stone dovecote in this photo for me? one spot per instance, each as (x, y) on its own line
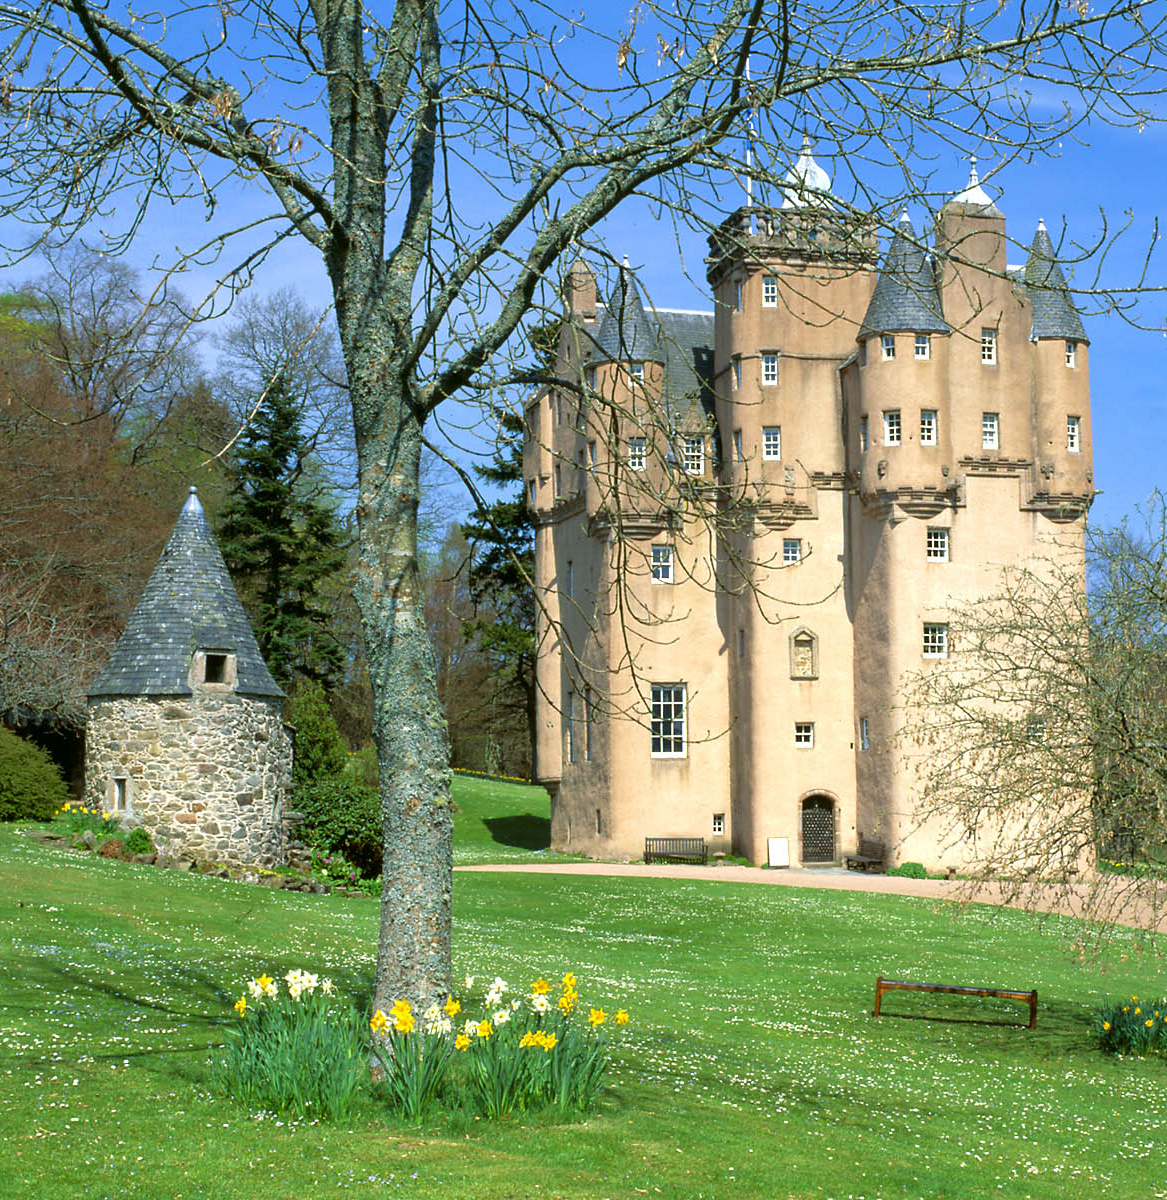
(185, 734)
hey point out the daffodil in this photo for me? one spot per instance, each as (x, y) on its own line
(1105, 1025)
(461, 1042)
(1149, 1022)
(241, 1005)
(327, 987)
(483, 1029)
(453, 1007)
(566, 1002)
(597, 1016)
(402, 1015)
(569, 982)
(379, 1023)
(502, 1016)
(621, 1016)
(540, 1004)
(549, 1040)
(540, 987)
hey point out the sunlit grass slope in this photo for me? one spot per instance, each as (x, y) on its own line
(751, 1068)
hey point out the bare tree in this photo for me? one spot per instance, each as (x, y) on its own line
(1040, 743)
(442, 161)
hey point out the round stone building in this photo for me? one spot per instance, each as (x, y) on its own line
(185, 733)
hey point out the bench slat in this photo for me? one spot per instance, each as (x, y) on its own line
(903, 985)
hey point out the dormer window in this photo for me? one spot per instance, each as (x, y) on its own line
(213, 668)
(636, 370)
(887, 346)
(1071, 354)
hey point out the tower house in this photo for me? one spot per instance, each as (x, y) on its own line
(185, 735)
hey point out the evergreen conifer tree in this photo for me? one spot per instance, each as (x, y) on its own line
(281, 543)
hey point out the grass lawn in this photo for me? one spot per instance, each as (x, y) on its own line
(751, 1068)
(500, 821)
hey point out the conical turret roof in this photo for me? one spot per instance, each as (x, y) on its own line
(1054, 314)
(626, 334)
(189, 604)
(905, 297)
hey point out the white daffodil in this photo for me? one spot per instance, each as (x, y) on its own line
(539, 1004)
(502, 1016)
(327, 987)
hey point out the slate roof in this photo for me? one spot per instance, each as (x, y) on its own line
(905, 297)
(189, 604)
(1054, 315)
(681, 341)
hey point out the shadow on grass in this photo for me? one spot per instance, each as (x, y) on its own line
(526, 831)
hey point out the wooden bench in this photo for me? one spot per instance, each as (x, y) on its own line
(675, 849)
(902, 985)
(870, 854)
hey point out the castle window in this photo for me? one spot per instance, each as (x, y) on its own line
(864, 734)
(569, 726)
(928, 423)
(737, 372)
(803, 735)
(558, 481)
(590, 377)
(741, 643)
(772, 442)
(935, 641)
(531, 489)
(589, 715)
(215, 668)
(667, 725)
(804, 655)
(864, 434)
(694, 455)
(769, 368)
(863, 353)
(937, 545)
(988, 346)
(662, 564)
(1071, 354)
(637, 454)
(718, 824)
(1074, 434)
(599, 822)
(737, 295)
(569, 579)
(923, 346)
(893, 429)
(791, 551)
(887, 345)
(636, 370)
(738, 453)
(592, 453)
(120, 794)
(990, 431)
(769, 291)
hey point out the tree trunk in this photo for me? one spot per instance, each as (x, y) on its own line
(409, 724)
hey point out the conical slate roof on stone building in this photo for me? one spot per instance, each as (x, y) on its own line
(626, 334)
(1054, 315)
(905, 297)
(189, 604)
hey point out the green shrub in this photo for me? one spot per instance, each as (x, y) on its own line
(909, 870)
(138, 841)
(362, 766)
(294, 1049)
(31, 786)
(320, 750)
(343, 817)
(1132, 1026)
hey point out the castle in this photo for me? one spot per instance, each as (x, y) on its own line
(752, 523)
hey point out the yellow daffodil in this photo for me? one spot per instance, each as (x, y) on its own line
(461, 1042)
(484, 1029)
(402, 1014)
(569, 982)
(453, 1007)
(621, 1016)
(241, 1005)
(528, 1039)
(1149, 1023)
(566, 1002)
(540, 987)
(1105, 1025)
(379, 1023)
(1138, 1011)
(549, 1040)
(597, 1016)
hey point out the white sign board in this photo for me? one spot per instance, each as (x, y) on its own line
(778, 851)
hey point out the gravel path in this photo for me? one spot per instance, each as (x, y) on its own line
(1074, 901)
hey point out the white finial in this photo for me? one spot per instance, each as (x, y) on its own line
(904, 217)
(192, 504)
(808, 185)
(625, 260)
(973, 193)
(194, 491)
(1041, 225)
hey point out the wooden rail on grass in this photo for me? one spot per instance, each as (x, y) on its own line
(902, 985)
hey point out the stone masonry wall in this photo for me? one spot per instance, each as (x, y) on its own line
(208, 775)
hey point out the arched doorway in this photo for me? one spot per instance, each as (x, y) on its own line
(818, 829)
